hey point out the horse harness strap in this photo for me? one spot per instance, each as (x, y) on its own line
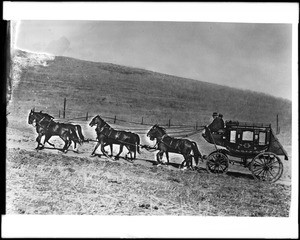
(39, 123)
(169, 145)
(110, 129)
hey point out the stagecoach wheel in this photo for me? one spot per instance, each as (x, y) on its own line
(266, 167)
(217, 162)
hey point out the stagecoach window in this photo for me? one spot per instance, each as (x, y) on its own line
(232, 136)
(247, 136)
(262, 138)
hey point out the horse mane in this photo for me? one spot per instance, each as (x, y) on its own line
(46, 114)
(102, 120)
(161, 128)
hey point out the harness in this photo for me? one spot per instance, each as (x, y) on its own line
(169, 145)
(110, 130)
(39, 123)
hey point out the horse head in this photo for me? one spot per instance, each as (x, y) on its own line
(97, 120)
(156, 132)
(31, 116)
(37, 116)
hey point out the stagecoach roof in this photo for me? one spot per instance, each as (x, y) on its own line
(230, 123)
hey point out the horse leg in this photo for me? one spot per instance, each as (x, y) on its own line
(103, 150)
(159, 157)
(38, 139)
(65, 148)
(129, 152)
(190, 162)
(75, 148)
(38, 142)
(120, 151)
(135, 150)
(93, 153)
(67, 141)
(111, 150)
(131, 158)
(41, 143)
(184, 162)
(167, 156)
(46, 140)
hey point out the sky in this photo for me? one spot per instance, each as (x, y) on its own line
(253, 56)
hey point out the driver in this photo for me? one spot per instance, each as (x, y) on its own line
(217, 123)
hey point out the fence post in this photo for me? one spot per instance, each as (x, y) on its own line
(169, 122)
(277, 125)
(142, 121)
(87, 115)
(196, 125)
(64, 112)
(115, 119)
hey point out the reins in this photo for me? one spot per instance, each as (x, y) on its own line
(212, 138)
(110, 131)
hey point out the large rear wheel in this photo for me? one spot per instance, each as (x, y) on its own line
(266, 167)
(217, 162)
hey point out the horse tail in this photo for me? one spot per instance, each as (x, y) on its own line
(73, 135)
(79, 131)
(138, 144)
(196, 151)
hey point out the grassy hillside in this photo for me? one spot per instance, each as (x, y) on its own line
(46, 183)
(130, 93)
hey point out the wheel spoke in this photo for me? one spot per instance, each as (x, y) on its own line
(258, 174)
(258, 168)
(223, 168)
(257, 165)
(259, 161)
(214, 167)
(270, 172)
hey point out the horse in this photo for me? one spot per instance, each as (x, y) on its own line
(106, 135)
(166, 144)
(46, 126)
(37, 117)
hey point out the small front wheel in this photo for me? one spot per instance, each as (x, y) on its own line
(266, 167)
(217, 162)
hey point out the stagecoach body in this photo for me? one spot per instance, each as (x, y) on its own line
(246, 141)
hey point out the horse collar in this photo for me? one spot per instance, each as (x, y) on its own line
(101, 129)
(163, 136)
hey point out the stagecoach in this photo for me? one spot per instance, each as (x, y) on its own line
(252, 145)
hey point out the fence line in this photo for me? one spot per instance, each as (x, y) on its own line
(115, 119)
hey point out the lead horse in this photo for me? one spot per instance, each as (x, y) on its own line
(106, 135)
(166, 144)
(46, 126)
